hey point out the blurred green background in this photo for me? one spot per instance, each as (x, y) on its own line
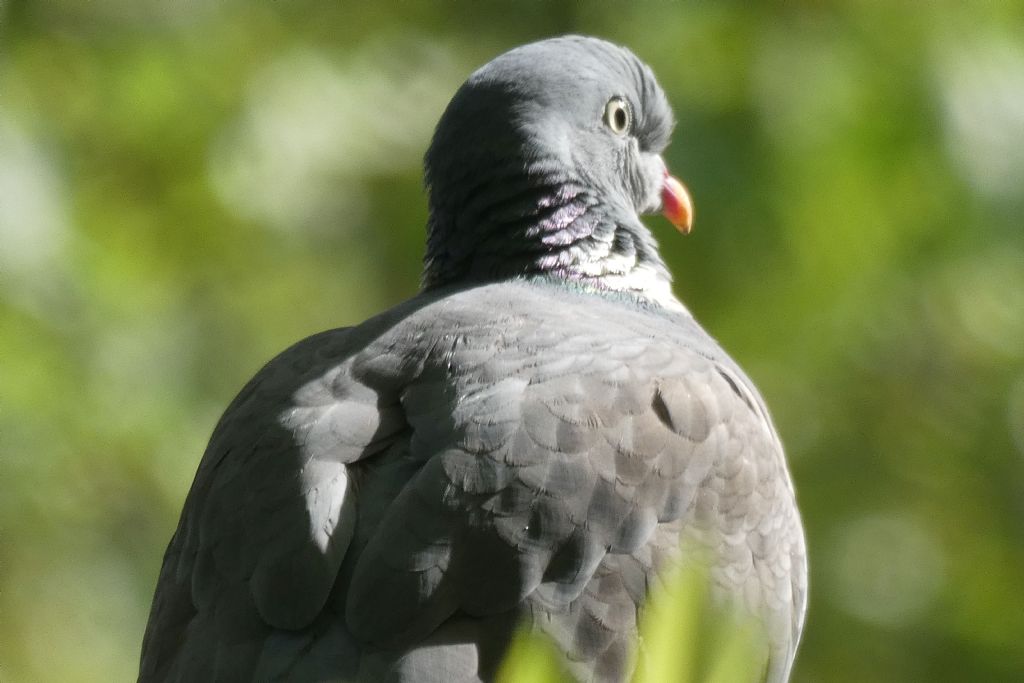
(188, 187)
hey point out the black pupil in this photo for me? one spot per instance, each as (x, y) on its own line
(620, 117)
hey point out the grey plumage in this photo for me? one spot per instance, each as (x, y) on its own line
(532, 437)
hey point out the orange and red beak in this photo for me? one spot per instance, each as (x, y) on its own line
(676, 205)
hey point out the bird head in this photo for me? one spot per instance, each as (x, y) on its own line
(554, 146)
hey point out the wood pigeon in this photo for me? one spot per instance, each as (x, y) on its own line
(533, 439)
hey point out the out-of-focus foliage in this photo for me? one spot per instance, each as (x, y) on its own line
(532, 658)
(186, 188)
(686, 638)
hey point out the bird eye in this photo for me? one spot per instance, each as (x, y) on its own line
(618, 116)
